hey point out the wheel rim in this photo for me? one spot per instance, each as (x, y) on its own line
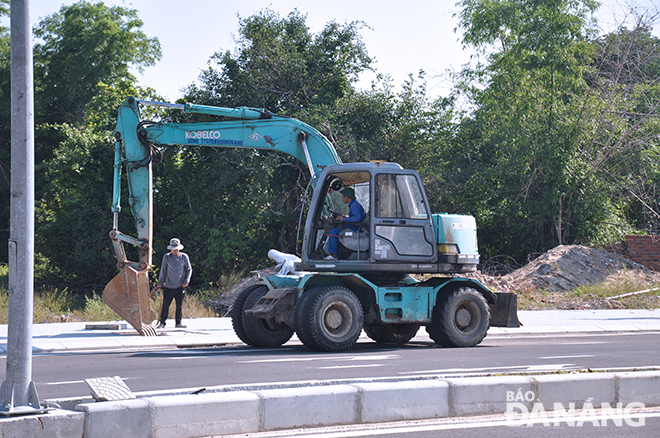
(337, 319)
(466, 317)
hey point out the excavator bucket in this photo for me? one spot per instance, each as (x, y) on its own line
(128, 295)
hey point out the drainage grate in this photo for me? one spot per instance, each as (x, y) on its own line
(109, 389)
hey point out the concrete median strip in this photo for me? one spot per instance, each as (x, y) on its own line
(219, 411)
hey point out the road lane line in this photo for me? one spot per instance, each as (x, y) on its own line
(476, 370)
(464, 370)
(325, 358)
(550, 367)
(567, 357)
(70, 382)
(337, 367)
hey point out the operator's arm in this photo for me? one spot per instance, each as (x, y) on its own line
(355, 213)
(187, 269)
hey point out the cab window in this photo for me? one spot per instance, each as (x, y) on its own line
(399, 196)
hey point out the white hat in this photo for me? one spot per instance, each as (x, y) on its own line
(175, 244)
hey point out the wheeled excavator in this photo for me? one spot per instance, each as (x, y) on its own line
(328, 301)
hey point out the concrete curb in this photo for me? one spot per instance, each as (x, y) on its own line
(221, 412)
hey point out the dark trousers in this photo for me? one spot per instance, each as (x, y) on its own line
(168, 295)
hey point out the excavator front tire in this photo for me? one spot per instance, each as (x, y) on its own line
(329, 319)
(460, 319)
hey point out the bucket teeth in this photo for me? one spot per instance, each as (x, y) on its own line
(128, 295)
(148, 330)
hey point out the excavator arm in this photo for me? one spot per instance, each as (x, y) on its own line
(136, 143)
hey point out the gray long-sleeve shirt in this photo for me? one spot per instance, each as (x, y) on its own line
(174, 271)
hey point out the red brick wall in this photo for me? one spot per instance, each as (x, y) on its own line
(644, 250)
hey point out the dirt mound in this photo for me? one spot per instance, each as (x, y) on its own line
(546, 281)
(567, 267)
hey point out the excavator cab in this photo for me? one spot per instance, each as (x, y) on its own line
(352, 244)
(398, 226)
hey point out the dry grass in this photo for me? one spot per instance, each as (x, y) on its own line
(596, 296)
(193, 306)
(62, 306)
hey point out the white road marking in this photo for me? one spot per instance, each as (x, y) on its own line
(463, 370)
(188, 357)
(352, 366)
(550, 367)
(70, 382)
(584, 343)
(476, 370)
(567, 357)
(327, 358)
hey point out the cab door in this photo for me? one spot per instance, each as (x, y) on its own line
(402, 226)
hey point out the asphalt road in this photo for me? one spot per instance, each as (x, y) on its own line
(62, 374)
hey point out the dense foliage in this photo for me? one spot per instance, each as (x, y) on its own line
(558, 144)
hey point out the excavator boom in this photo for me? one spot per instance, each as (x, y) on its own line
(135, 145)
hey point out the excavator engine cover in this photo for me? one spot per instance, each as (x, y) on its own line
(128, 295)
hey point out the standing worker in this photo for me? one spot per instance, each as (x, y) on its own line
(175, 272)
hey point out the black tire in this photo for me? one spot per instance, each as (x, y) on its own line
(261, 332)
(329, 319)
(460, 319)
(301, 329)
(238, 311)
(392, 333)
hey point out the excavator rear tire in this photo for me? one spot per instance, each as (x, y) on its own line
(392, 333)
(238, 311)
(265, 333)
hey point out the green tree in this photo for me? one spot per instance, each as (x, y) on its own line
(82, 73)
(81, 46)
(527, 97)
(622, 140)
(551, 160)
(73, 206)
(5, 132)
(281, 66)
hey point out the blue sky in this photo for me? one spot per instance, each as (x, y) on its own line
(404, 36)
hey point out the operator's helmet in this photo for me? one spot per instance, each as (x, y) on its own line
(348, 192)
(336, 185)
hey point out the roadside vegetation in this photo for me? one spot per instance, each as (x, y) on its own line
(55, 305)
(549, 136)
(595, 296)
